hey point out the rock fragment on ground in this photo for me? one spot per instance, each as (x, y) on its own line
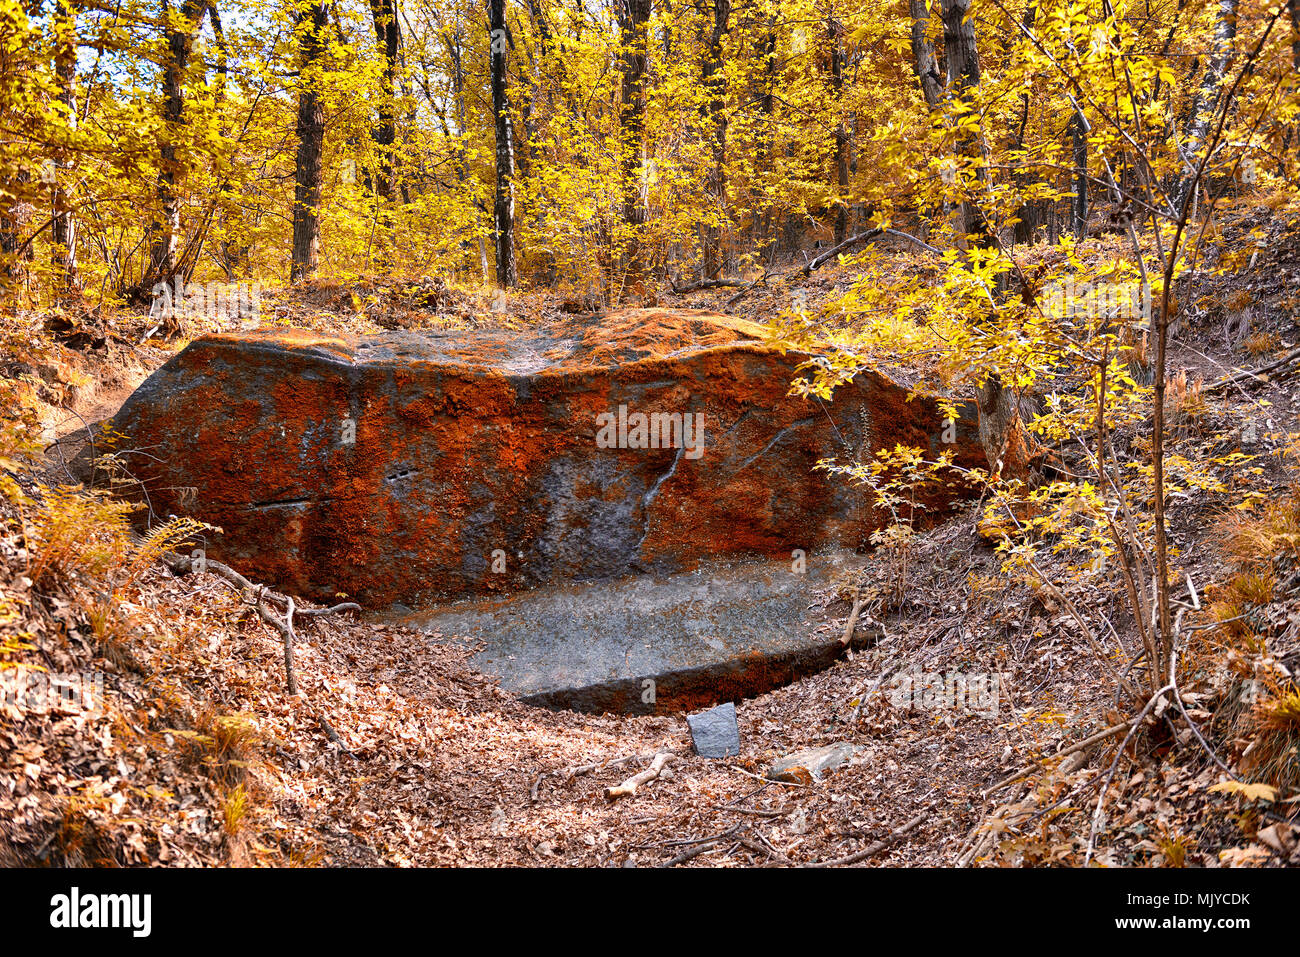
(715, 733)
(802, 767)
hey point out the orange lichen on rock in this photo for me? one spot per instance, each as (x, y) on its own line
(411, 466)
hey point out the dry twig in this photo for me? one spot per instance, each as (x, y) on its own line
(628, 787)
(872, 849)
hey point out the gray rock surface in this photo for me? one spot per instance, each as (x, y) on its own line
(714, 733)
(816, 761)
(652, 644)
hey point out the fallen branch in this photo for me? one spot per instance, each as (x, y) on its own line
(757, 812)
(693, 852)
(322, 612)
(835, 250)
(871, 235)
(628, 787)
(571, 773)
(286, 630)
(867, 691)
(183, 565)
(257, 596)
(756, 777)
(697, 846)
(872, 849)
(332, 734)
(1079, 746)
(1119, 753)
(858, 602)
(764, 846)
(746, 288)
(1245, 374)
(706, 284)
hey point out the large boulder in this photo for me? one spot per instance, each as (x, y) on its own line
(413, 466)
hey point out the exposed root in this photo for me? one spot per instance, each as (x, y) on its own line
(628, 787)
(257, 597)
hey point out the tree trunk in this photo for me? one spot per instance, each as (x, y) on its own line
(503, 213)
(167, 224)
(835, 36)
(311, 142)
(923, 61)
(1206, 104)
(761, 233)
(714, 109)
(232, 253)
(1079, 204)
(384, 133)
(530, 155)
(14, 218)
(63, 225)
(963, 78)
(1293, 8)
(959, 50)
(1029, 216)
(1007, 445)
(455, 43)
(633, 17)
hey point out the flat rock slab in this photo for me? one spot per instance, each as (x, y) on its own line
(724, 631)
(714, 733)
(414, 467)
(811, 765)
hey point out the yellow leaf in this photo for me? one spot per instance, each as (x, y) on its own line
(1251, 792)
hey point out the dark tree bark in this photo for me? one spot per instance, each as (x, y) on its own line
(503, 213)
(1206, 104)
(63, 225)
(962, 58)
(715, 117)
(923, 60)
(1293, 8)
(1079, 204)
(167, 225)
(633, 17)
(959, 49)
(384, 133)
(835, 38)
(761, 233)
(311, 142)
(1033, 214)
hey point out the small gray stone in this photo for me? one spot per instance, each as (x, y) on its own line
(816, 761)
(715, 733)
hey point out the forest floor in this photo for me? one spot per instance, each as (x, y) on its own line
(202, 758)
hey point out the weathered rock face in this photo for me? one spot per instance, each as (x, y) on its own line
(412, 466)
